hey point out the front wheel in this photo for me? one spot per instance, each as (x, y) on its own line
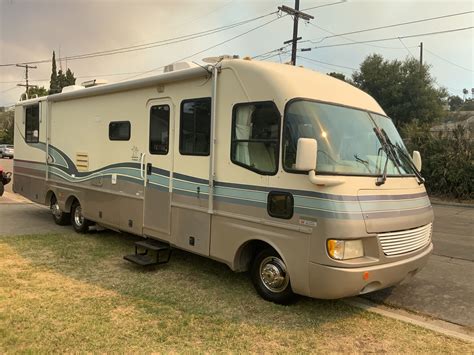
(270, 277)
(79, 223)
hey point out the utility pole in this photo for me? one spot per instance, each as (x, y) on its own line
(297, 15)
(26, 66)
(421, 55)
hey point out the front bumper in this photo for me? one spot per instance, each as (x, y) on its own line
(329, 282)
(7, 155)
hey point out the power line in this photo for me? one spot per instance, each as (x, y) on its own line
(324, 5)
(390, 26)
(392, 38)
(10, 89)
(448, 61)
(326, 63)
(211, 47)
(149, 45)
(409, 51)
(350, 39)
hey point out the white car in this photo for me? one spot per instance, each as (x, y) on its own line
(6, 151)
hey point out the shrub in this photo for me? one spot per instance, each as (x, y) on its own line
(448, 165)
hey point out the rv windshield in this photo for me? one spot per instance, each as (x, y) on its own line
(347, 142)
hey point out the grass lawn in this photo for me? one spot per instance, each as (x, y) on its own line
(75, 293)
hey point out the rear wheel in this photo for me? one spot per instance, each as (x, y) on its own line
(61, 218)
(80, 224)
(270, 277)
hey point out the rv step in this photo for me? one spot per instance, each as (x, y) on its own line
(151, 244)
(141, 259)
(150, 252)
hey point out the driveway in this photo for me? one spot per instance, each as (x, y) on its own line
(445, 287)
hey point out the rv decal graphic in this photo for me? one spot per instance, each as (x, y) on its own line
(308, 204)
(135, 154)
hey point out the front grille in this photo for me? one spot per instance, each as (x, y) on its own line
(396, 243)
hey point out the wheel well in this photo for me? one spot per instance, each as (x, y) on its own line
(247, 253)
(69, 202)
(49, 197)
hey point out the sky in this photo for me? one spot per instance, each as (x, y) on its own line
(31, 29)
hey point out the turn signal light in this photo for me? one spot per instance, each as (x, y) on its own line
(345, 249)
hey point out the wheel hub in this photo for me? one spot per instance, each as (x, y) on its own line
(78, 218)
(273, 274)
(55, 210)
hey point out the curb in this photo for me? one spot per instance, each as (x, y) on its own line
(439, 326)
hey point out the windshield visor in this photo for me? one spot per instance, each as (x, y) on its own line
(347, 142)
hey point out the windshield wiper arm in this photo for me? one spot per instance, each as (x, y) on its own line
(382, 178)
(365, 162)
(399, 150)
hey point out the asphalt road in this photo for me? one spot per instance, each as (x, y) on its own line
(444, 289)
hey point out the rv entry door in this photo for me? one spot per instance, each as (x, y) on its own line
(158, 165)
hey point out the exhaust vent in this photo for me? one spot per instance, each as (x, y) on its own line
(82, 161)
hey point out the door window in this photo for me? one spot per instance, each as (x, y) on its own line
(159, 129)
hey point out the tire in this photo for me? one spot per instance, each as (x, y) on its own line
(60, 218)
(2, 189)
(270, 277)
(79, 223)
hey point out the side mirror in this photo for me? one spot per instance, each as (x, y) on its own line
(417, 160)
(306, 154)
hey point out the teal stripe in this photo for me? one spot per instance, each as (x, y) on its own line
(327, 205)
(303, 204)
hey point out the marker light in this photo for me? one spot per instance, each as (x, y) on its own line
(345, 249)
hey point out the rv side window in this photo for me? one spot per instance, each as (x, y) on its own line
(195, 127)
(119, 131)
(159, 129)
(255, 137)
(32, 124)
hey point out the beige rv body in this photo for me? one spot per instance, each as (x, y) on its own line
(74, 159)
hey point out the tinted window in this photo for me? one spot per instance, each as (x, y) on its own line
(32, 124)
(195, 127)
(255, 137)
(159, 129)
(280, 204)
(119, 131)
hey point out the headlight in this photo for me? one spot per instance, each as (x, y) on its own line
(345, 249)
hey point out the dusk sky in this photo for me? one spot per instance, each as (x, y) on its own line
(31, 30)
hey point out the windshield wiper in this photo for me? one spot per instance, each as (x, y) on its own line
(400, 151)
(365, 162)
(390, 155)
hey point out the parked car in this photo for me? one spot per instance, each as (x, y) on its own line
(6, 151)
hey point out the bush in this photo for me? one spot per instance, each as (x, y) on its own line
(448, 165)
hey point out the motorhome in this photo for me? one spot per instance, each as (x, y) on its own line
(295, 176)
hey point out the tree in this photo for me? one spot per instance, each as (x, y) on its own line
(53, 83)
(6, 127)
(404, 90)
(454, 102)
(70, 79)
(41, 91)
(339, 76)
(59, 79)
(62, 81)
